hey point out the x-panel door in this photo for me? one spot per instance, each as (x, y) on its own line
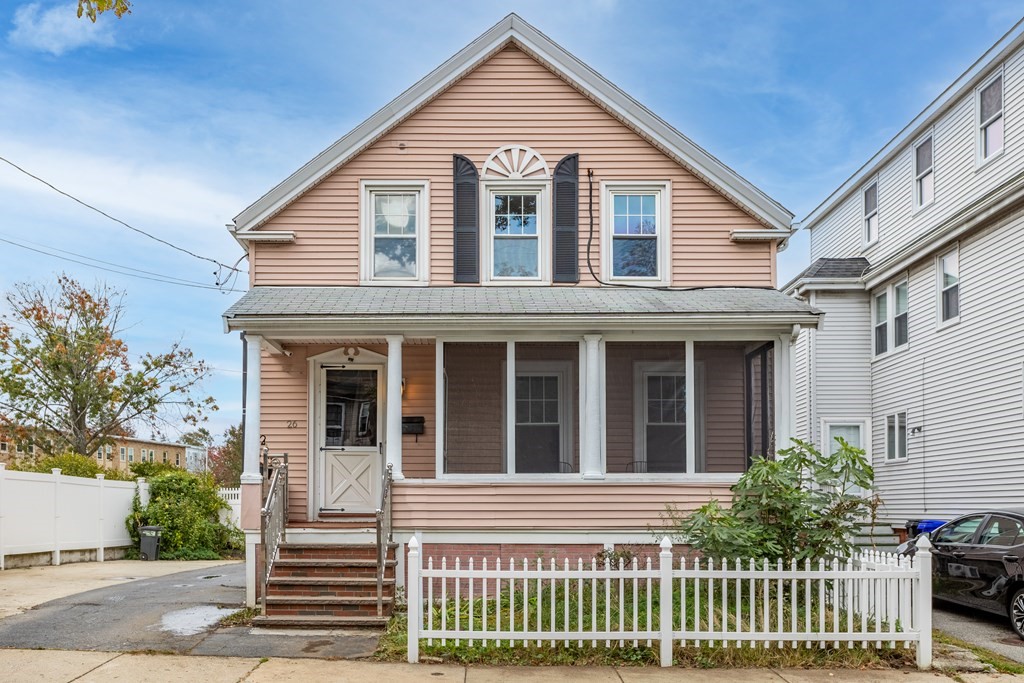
(349, 439)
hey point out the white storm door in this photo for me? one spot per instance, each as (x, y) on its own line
(349, 439)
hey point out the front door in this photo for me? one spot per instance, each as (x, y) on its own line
(349, 440)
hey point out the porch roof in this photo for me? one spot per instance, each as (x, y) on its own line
(436, 304)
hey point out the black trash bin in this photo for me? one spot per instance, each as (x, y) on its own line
(149, 542)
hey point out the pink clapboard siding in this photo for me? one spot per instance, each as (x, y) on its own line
(545, 506)
(509, 99)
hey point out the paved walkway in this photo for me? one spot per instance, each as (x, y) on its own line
(56, 666)
(23, 589)
(979, 628)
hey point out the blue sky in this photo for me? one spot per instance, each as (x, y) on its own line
(177, 117)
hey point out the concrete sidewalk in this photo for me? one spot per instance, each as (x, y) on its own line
(23, 589)
(22, 666)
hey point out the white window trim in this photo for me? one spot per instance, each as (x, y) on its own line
(542, 188)
(123, 452)
(890, 320)
(939, 322)
(918, 206)
(980, 159)
(546, 368)
(664, 190)
(865, 431)
(641, 369)
(864, 216)
(366, 231)
(885, 430)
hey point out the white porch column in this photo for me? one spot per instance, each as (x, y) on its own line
(590, 456)
(783, 392)
(251, 453)
(690, 379)
(393, 420)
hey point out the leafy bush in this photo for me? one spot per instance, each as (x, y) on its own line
(187, 506)
(70, 464)
(802, 505)
(151, 469)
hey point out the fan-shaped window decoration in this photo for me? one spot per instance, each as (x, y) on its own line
(515, 162)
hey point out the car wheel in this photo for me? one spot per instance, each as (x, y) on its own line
(1017, 612)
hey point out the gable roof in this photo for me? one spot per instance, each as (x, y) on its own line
(967, 81)
(513, 30)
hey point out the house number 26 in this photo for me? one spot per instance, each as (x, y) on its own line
(292, 424)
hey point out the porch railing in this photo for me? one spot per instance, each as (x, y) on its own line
(384, 536)
(273, 518)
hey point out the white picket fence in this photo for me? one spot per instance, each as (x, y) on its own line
(874, 599)
(233, 497)
(51, 513)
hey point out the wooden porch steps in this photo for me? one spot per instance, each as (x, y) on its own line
(321, 585)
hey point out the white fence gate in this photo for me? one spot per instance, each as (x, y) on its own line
(51, 513)
(875, 598)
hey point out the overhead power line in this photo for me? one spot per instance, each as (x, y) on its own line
(123, 270)
(220, 266)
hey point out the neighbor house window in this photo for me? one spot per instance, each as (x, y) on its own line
(99, 453)
(990, 118)
(3, 446)
(123, 451)
(871, 213)
(896, 436)
(110, 450)
(949, 285)
(900, 318)
(165, 456)
(131, 454)
(636, 233)
(924, 177)
(881, 323)
(394, 232)
(515, 234)
(177, 459)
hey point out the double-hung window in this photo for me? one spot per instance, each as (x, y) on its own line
(949, 286)
(131, 454)
(515, 235)
(394, 232)
(871, 214)
(924, 176)
(881, 323)
(637, 232)
(123, 451)
(900, 314)
(896, 436)
(990, 118)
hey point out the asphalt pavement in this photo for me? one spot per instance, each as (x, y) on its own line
(989, 631)
(177, 613)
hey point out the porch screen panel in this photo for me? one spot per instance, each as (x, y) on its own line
(721, 410)
(474, 427)
(759, 430)
(547, 408)
(646, 407)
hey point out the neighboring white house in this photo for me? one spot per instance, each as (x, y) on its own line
(196, 459)
(918, 265)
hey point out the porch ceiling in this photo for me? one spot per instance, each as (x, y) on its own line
(569, 308)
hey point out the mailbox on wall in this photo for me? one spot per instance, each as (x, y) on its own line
(413, 424)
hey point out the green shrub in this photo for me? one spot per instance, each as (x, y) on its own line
(151, 469)
(802, 505)
(70, 464)
(187, 506)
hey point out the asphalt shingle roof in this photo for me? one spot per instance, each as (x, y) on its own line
(836, 268)
(447, 301)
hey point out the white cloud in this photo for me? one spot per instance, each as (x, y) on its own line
(57, 30)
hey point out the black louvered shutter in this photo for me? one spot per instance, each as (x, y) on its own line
(565, 248)
(466, 220)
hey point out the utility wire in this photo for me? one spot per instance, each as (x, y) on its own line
(122, 272)
(119, 221)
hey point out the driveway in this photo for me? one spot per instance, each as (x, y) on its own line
(176, 613)
(979, 628)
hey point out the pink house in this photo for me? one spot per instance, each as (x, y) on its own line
(548, 312)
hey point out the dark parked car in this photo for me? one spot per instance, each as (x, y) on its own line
(979, 563)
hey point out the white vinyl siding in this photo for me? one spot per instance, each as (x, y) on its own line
(802, 386)
(962, 385)
(958, 180)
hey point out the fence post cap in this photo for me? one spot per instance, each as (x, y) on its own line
(923, 544)
(101, 477)
(413, 544)
(55, 470)
(665, 543)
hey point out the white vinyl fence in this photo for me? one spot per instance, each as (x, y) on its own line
(50, 513)
(873, 599)
(233, 497)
